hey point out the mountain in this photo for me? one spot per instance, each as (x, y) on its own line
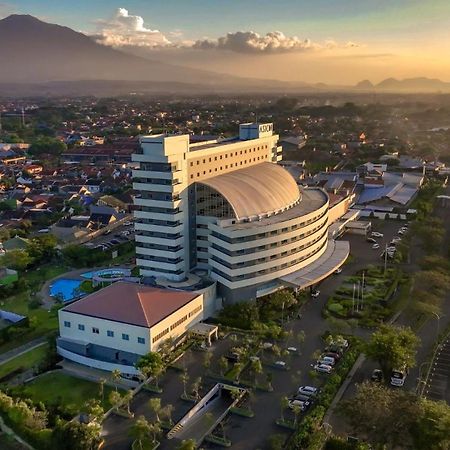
(420, 84)
(33, 51)
(364, 84)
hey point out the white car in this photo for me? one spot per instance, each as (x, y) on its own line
(293, 403)
(391, 249)
(315, 294)
(329, 360)
(376, 234)
(323, 368)
(308, 390)
(375, 246)
(292, 349)
(401, 232)
(338, 271)
(280, 364)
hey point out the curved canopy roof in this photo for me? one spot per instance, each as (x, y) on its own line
(256, 190)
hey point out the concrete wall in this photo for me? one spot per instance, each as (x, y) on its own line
(102, 339)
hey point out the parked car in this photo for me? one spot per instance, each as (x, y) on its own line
(128, 223)
(315, 293)
(336, 356)
(376, 234)
(377, 376)
(326, 362)
(323, 368)
(115, 241)
(375, 246)
(338, 271)
(293, 403)
(308, 390)
(304, 398)
(371, 240)
(329, 359)
(292, 349)
(280, 364)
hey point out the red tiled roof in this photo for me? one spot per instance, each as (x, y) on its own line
(131, 303)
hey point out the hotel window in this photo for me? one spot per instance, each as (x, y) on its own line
(125, 337)
(81, 327)
(192, 163)
(95, 330)
(204, 172)
(204, 161)
(67, 324)
(209, 159)
(192, 176)
(198, 162)
(220, 156)
(215, 158)
(141, 340)
(198, 174)
(110, 333)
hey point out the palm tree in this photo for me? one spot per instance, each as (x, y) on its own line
(157, 372)
(127, 399)
(116, 375)
(184, 377)
(269, 378)
(188, 444)
(223, 364)
(237, 367)
(140, 431)
(101, 384)
(155, 406)
(166, 412)
(284, 403)
(155, 431)
(207, 360)
(256, 368)
(115, 399)
(195, 387)
(296, 410)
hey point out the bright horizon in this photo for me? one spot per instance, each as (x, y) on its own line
(335, 42)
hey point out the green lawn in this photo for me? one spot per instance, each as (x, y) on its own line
(70, 391)
(25, 361)
(43, 322)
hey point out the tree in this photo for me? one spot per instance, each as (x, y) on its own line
(42, 247)
(384, 415)
(187, 444)
(276, 442)
(207, 360)
(433, 426)
(74, 435)
(297, 411)
(155, 431)
(115, 398)
(195, 387)
(256, 369)
(17, 260)
(284, 403)
(101, 387)
(151, 365)
(393, 347)
(116, 376)
(140, 431)
(155, 406)
(46, 144)
(184, 377)
(95, 410)
(166, 413)
(223, 365)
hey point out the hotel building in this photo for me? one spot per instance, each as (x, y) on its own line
(227, 209)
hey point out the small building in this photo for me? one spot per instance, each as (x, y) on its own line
(112, 328)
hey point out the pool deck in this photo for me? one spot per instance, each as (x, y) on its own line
(47, 300)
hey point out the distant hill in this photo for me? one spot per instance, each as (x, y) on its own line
(420, 84)
(33, 51)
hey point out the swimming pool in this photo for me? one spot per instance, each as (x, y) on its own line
(66, 288)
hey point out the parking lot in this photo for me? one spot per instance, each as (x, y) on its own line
(438, 385)
(109, 239)
(253, 433)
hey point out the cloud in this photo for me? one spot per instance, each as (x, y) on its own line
(252, 42)
(6, 9)
(125, 29)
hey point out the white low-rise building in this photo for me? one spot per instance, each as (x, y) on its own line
(112, 328)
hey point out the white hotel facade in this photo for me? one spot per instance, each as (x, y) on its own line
(228, 209)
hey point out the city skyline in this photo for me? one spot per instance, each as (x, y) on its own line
(333, 42)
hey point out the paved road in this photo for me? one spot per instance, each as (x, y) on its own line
(438, 384)
(11, 354)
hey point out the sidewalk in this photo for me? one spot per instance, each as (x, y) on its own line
(11, 354)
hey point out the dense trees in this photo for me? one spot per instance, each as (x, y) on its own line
(393, 347)
(47, 145)
(398, 418)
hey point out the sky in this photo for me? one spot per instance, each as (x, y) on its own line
(330, 41)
